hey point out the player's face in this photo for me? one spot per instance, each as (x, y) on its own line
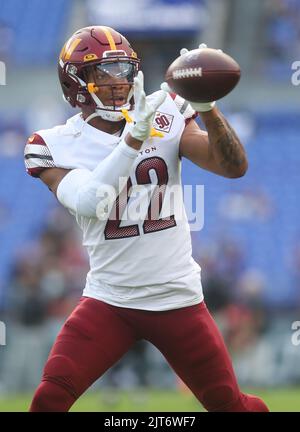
(113, 80)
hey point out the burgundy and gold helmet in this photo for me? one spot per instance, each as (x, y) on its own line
(101, 47)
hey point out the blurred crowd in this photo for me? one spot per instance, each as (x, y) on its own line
(45, 285)
(282, 36)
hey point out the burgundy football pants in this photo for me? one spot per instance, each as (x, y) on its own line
(97, 335)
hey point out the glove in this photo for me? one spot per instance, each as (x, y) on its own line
(144, 108)
(197, 106)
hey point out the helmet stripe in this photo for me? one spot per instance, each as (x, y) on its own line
(71, 48)
(109, 38)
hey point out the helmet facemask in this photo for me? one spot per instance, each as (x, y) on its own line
(110, 85)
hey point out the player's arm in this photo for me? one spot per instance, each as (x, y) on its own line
(218, 150)
(52, 177)
(87, 193)
(77, 189)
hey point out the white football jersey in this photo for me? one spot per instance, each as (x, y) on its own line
(138, 261)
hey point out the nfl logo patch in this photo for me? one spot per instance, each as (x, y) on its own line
(162, 121)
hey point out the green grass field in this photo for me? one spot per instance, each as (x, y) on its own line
(155, 400)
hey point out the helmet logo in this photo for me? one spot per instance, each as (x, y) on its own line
(134, 54)
(88, 57)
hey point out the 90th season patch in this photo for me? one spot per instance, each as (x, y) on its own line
(162, 121)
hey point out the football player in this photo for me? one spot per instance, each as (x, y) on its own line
(143, 282)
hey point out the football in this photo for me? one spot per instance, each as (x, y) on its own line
(203, 75)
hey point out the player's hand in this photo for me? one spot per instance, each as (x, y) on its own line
(201, 46)
(145, 108)
(197, 106)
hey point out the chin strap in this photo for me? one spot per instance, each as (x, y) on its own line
(126, 115)
(153, 133)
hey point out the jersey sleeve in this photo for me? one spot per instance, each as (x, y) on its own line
(184, 108)
(37, 156)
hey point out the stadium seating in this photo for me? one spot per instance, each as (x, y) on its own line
(24, 205)
(37, 43)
